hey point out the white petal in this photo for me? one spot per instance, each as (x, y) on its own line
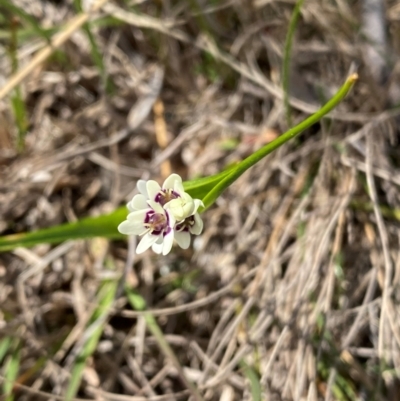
(171, 218)
(180, 208)
(197, 204)
(146, 242)
(188, 208)
(153, 188)
(189, 201)
(187, 197)
(138, 215)
(168, 241)
(157, 248)
(198, 225)
(183, 239)
(141, 186)
(174, 207)
(178, 187)
(138, 202)
(131, 228)
(156, 206)
(169, 183)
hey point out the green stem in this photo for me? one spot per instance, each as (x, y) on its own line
(267, 149)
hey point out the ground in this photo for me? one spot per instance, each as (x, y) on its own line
(292, 290)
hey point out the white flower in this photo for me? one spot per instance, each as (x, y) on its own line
(171, 196)
(161, 213)
(183, 207)
(154, 223)
(191, 225)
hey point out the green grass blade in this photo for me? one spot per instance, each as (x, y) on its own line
(5, 344)
(243, 166)
(105, 297)
(21, 120)
(11, 369)
(138, 303)
(24, 34)
(388, 212)
(23, 15)
(17, 101)
(94, 48)
(286, 58)
(254, 380)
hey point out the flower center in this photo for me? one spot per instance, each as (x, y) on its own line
(166, 195)
(186, 224)
(156, 222)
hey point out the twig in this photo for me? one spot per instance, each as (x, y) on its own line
(385, 246)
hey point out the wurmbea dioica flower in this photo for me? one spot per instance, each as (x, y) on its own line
(160, 214)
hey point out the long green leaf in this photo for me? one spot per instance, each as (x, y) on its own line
(101, 226)
(200, 187)
(250, 161)
(207, 189)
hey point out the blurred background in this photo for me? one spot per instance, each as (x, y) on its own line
(292, 291)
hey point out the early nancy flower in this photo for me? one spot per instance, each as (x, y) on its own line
(183, 206)
(191, 225)
(154, 223)
(161, 213)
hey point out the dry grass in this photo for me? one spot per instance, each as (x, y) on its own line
(294, 284)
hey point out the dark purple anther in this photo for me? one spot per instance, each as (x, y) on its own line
(165, 196)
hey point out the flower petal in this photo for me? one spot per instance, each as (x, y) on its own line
(174, 207)
(183, 239)
(141, 186)
(146, 242)
(189, 205)
(131, 228)
(138, 202)
(168, 241)
(157, 248)
(171, 219)
(138, 215)
(178, 187)
(181, 208)
(153, 188)
(156, 206)
(198, 225)
(169, 183)
(197, 204)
